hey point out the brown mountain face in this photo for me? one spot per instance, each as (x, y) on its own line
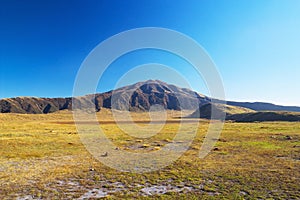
(137, 97)
(34, 105)
(141, 96)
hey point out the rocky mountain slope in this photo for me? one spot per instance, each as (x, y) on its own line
(142, 95)
(32, 105)
(137, 97)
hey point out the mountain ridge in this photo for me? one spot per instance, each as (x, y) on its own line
(135, 97)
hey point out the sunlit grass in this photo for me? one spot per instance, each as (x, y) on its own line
(251, 160)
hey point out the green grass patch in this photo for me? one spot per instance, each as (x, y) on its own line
(261, 144)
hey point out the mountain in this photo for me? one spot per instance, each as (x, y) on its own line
(142, 95)
(137, 97)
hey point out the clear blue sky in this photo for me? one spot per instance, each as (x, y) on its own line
(255, 44)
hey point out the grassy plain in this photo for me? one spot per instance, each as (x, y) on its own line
(42, 157)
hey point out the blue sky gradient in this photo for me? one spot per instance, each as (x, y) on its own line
(255, 44)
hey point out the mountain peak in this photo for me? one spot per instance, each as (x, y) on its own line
(143, 95)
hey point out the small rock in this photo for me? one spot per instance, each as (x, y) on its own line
(105, 154)
(244, 193)
(288, 137)
(216, 149)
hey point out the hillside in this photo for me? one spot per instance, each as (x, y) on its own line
(264, 116)
(240, 114)
(34, 105)
(204, 111)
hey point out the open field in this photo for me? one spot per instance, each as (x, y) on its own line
(42, 157)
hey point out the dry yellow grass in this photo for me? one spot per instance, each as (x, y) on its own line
(42, 156)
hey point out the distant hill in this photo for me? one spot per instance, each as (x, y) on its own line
(240, 114)
(265, 116)
(204, 111)
(137, 97)
(259, 106)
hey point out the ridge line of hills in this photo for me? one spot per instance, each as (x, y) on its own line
(142, 95)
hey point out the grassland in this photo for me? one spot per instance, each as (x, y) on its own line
(42, 157)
